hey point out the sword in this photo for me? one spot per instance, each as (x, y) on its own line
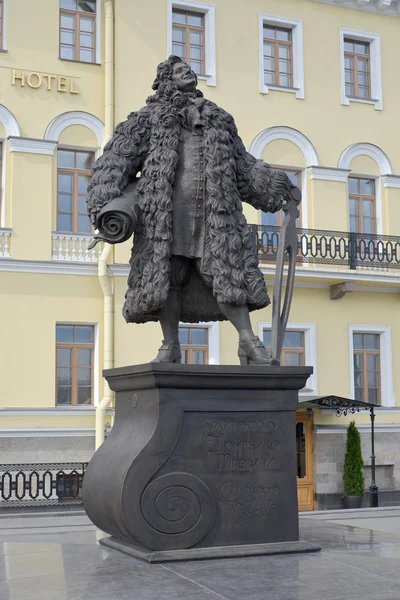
(287, 243)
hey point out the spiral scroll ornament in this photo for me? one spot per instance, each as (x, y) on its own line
(179, 503)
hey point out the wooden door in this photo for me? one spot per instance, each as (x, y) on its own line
(305, 461)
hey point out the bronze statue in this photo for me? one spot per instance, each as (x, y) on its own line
(194, 257)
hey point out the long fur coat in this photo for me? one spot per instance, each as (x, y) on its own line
(148, 142)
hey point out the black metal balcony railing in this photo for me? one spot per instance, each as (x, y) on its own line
(337, 248)
(46, 484)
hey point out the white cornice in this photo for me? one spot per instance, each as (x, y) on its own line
(391, 181)
(41, 266)
(71, 411)
(338, 276)
(388, 8)
(365, 149)
(329, 173)
(381, 428)
(9, 122)
(29, 432)
(31, 145)
(74, 117)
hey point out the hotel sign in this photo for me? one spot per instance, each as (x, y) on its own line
(36, 80)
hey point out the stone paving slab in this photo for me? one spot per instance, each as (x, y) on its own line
(59, 557)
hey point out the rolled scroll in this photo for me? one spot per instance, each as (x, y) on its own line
(117, 220)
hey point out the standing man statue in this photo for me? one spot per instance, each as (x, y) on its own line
(194, 257)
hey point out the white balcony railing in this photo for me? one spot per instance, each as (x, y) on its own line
(74, 247)
(5, 238)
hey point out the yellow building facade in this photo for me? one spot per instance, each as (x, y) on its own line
(312, 87)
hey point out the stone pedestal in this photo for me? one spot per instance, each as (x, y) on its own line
(202, 458)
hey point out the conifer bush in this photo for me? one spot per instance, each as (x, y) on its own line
(353, 477)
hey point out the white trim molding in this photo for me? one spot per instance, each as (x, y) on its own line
(9, 121)
(298, 53)
(11, 265)
(74, 117)
(5, 25)
(387, 395)
(391, 181)
(3, 183)
(99, 31)
(280, 132)
(374, 41)
(31, 145)
(45, 432)
(342, 429)
(367, 149)
(310, 347)
(329, 173)
(389, 8)
(213, 339)
(208, 10)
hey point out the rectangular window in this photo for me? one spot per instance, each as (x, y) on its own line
(188, 38)
(366, 357)
(278, 61)
(194, 345)
(73, 175)
(357, 69)
(74, 364)
(1, 23)
(78, 30)
(293, 350)
(275, 219)
(362, 201)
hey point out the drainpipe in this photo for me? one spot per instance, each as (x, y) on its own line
(107, 250)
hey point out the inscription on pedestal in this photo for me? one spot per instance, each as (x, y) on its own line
(245, 502)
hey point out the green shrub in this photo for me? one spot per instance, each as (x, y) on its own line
(353, 477)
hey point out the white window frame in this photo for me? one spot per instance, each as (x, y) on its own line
(310, 348)
(298, 53)
(213, 339)
(374, 41)
(3, 183)
(4, 48)
(208, 10)
(385, 344)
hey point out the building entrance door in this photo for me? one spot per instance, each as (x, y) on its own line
(305, 461)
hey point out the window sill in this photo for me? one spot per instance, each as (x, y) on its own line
(81, 62)
(363, 100)
(3, 50)
(279, 88)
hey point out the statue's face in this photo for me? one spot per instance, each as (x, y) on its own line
(184, 77)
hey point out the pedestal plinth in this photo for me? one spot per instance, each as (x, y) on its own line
(201, 459)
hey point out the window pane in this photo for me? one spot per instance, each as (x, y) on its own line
(284, 52)
(178, 17)
(65, 159)
(368, 225)
(358, 379)
(357, 362)
(269, 50)
(362, 48)
(178, 50)
(64, 334)
(84, 160)
(268, 78)
(348, 62)
(372, 362)
(196, 38)
(348, 46)
(68, 4)
(68, 37)
(283, 34)
(87, 24)
(84, 357)
(358, 341)
(363, 92)
(367, 187)
(359, 394)
(86, 55)
(64, 182)
(294, 177)
(64, 357)
(269, 32)
(362, 64)
(195, 52)
(64, 223)
(84, 225)
(84, 334)
(284, 66)
(196, 67)
(84, 395)
(195, 19)
(199, 357)
(373, 396)
(184, 357)
(64, 376)
(349, 76)
(284, 80)
(372, 379)
(83, 182)
(269, 64)
(353, 185)
(178, 35)
(362, 78)
(293, 359)
(267, 338)
(371, 341)
(354, 224)
(67, 21)
(87, 5)
(82, 207)
(293, 339)
(67, 52)
(65, 203)
(87, 40)
(198, 336)
(64, 395)
(184, 335)
(84, 377)
(368, 208)
(349, 89)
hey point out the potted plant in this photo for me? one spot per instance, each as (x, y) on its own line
(353, 477)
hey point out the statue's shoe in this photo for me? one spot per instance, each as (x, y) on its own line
(253, 352)
(169, 353)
